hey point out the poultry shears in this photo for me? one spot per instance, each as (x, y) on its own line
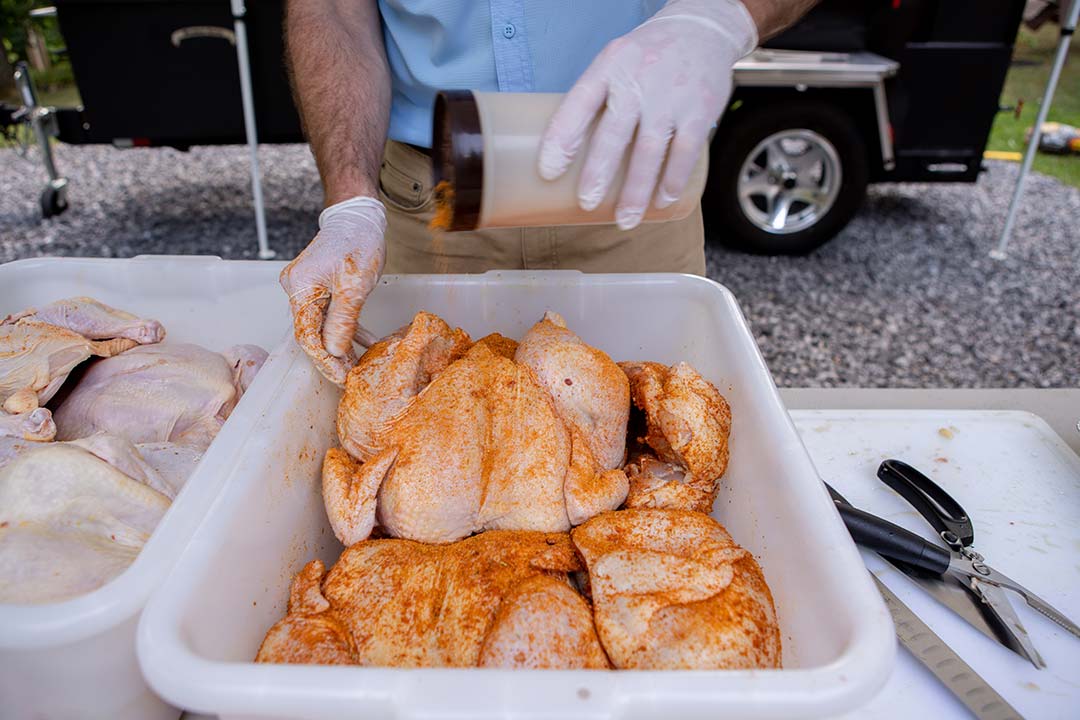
(958, 561)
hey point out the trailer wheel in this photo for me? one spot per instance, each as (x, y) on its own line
(785, 178)
(53, 201)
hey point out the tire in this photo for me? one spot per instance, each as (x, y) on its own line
(53, 202)
(741, 158)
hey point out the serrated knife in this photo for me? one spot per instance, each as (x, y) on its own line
(948, 667)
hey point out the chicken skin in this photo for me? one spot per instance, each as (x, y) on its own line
(97, 321)
(159, 393)
(500, 599)
(441, 442)
(687, 424)
(69, 522)
(672, 591)
(39, 348)
(35, 425)
(36, 358)
(589, 390)
(391, 373)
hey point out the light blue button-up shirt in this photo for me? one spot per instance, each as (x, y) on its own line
(504, 45)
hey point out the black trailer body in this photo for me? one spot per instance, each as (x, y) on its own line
(952, 58)
(164, 72)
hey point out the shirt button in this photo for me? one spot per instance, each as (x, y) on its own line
(509, 31)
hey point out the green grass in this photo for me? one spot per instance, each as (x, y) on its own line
(55, 86)
(1027, 80)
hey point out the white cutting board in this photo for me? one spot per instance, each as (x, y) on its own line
(1021, 486)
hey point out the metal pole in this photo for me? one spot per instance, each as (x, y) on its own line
(239, 10)
(1068, 27)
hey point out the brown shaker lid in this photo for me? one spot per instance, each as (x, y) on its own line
(457, 151)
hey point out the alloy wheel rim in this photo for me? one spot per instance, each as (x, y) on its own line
(789, 181)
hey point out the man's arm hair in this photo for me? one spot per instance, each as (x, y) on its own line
(772, 16)
(341, 85)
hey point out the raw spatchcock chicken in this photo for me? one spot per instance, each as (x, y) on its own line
(82, 488)
(526, 504)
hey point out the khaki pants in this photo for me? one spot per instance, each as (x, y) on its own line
(405, 189)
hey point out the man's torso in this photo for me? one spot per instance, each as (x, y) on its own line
(500, 45)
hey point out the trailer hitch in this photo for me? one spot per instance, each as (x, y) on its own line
(42, 120)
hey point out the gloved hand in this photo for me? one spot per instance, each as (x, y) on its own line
(670, 78)
(330, 280)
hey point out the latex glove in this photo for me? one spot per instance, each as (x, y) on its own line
(330, 280)
(670, 78)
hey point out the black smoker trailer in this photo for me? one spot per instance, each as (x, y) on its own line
(860, 91)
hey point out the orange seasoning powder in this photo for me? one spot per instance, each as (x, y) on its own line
(444, 207)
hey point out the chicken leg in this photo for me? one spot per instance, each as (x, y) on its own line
(97, 321)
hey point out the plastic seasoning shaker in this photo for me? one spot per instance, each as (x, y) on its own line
(484, 149)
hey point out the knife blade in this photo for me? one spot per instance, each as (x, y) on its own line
(949, 668)
(953, 595)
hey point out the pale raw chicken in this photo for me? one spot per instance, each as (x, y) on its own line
(165, 467)
(687, 424)
(443, 446)
(35, 360)
(97, 321)
(159, 393)
(69, 523)
(35, 425)
(500, 599)
(672, 591)
(39, 348)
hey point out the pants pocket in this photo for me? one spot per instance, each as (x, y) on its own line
(406, 191)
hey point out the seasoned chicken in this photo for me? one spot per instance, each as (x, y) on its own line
(39, 348)
(69, 523)
(591, 393)
(687, 424)
(672, 591)
(443, 445)
(389, 375)
(158, 393)
(500, 599)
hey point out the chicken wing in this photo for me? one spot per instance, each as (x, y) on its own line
(389, 375)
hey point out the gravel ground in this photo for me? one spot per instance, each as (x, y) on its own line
(905, 297)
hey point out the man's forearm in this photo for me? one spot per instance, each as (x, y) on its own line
(772, 16)
(341, 83)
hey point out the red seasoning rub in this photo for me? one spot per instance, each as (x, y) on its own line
(500, 599)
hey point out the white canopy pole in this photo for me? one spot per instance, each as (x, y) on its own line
(1068, 27)
(246, 96)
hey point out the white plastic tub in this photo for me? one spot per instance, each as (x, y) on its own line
(76, 659)
(202, 628)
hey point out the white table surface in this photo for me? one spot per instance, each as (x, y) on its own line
(1021, 486)
(912, 691)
